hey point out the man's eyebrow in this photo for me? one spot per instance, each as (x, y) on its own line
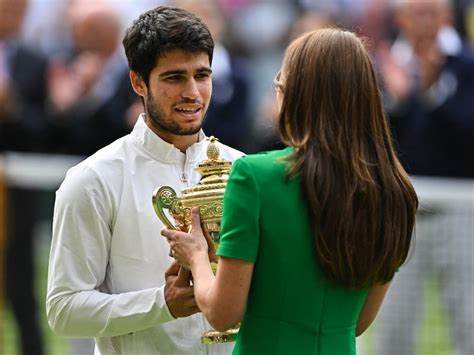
(182, 72)
(172, 72)
(205, 69)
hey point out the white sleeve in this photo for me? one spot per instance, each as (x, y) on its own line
(80, 247)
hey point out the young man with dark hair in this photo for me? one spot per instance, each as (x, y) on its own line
(110, 275)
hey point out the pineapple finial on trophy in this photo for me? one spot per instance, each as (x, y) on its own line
(212, 148)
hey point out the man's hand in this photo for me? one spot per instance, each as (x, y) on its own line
(398, 81)
(179, 294)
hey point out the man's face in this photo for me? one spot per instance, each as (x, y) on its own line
(12, 13)
(420, 21)
(178, 93)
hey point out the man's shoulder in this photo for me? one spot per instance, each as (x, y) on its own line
(105, 162)
(112, 152)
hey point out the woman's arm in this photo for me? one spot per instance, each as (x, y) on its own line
(221, 298)
(371, 307)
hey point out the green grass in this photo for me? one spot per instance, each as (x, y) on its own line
(53, 344)
(434, 338)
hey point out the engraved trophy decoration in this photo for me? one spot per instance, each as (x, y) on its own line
(208, 195)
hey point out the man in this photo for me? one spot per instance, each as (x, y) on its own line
(110, 275)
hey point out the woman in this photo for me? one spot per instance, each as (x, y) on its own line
(313, 234)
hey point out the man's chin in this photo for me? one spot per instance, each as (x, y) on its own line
(189, 131)
(178, 129)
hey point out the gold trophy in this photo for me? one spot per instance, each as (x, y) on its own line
(208, 195)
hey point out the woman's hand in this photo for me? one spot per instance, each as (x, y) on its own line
(192, 247)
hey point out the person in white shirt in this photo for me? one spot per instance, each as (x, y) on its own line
(110, 275)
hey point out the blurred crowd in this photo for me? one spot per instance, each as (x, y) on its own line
(62, 67)
(64, 87)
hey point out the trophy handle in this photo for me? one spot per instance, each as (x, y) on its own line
(164, 198)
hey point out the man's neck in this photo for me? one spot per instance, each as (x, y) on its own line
(181, 142)
(184, 142)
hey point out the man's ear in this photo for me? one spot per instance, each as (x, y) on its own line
(138, 84)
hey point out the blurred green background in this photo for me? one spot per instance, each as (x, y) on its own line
(434, 339)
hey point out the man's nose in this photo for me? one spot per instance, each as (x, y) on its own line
(191, 90)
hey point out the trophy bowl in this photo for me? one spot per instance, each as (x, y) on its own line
(208, 195)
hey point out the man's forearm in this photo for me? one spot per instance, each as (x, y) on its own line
(96, 314)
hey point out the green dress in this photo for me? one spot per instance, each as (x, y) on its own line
(291, 308)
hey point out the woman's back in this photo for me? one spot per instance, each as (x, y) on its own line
(337, 206)
(291, 305)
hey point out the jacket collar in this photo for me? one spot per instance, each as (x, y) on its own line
(163, 151)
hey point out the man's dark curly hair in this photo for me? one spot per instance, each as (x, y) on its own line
(161, 30)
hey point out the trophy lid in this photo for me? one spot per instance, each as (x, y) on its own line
(214, 172)
(213, 165)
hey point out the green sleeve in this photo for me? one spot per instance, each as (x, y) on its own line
(240, 219)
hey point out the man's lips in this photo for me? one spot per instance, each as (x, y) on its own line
(189, 112)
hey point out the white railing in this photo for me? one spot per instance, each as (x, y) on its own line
(35, 170)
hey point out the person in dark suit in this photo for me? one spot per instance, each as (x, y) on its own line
(23, 127)
(91, 100)
(429, 83)
(22, 85)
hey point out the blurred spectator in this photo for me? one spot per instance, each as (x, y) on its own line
(46, 28)
(23, 127)
(232, 7)
(260, 31)
(373, 21)
(44, 25)
(22, 84)
(267, 131)
(228, 114)
(91, 99)
(429, 90)
(360, 15)
(429, 80)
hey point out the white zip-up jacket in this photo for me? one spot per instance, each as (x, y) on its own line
(108, 258)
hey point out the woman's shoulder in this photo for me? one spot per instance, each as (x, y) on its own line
(266, 157)
(265, 163)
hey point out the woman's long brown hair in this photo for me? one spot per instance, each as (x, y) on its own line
(361, 202)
